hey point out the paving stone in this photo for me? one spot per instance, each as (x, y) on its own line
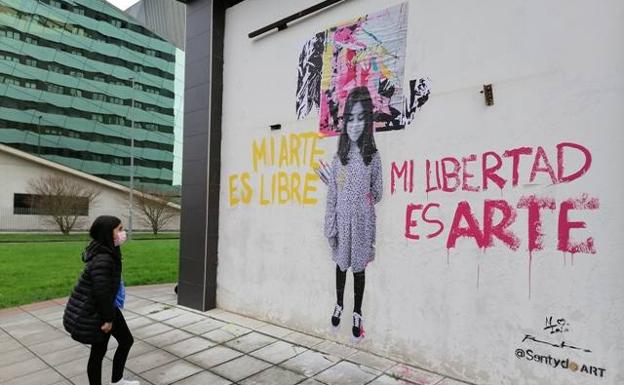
(250, 342)
(42, 377)
(310, 363)
(151, 360)
(372, 361)
(139, 322)
(168, 338)
(184, 320)
(21, 368)
(226, 333)
(387, 380)
(449, 381)
(165, 314)
(335, 349)
(274, 331)
(240, 368)
(107, 369)
(274, 376)
(12, 356)
(62, 356)
(138, 348)
(11, 345)
(311, 381)
(150, 331)
(347, 373)
(213, 356)
(302, 339)
(204, 378)
(189, 346)
(46, 334)
(54, 345)
(204, 326)
(413, 374)
(240, 320)
(171, 372)
(77, 367)
(278, 352)
(151, 308)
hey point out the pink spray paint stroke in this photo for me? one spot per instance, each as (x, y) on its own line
(530, 262)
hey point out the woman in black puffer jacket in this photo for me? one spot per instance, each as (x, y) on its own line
(92, 313)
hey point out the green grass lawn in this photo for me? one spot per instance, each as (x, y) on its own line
(44, 237)
(37, 271)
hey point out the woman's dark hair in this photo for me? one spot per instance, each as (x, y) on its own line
(101, 231)
(365, 142)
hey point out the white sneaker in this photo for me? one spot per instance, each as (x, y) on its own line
(335, 319)
(125, 382)
(358, 328)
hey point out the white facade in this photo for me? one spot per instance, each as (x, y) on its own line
(17, 169)
(477, 313)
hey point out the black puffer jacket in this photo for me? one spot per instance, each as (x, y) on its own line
(92, 301)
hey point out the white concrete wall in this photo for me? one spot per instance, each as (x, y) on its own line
(15, 174)
(557, 69)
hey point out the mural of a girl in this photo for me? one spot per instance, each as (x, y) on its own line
(355, 185)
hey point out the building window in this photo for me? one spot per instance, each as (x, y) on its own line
(117, 23)
(78, 10)
(56, 4)
(12, 81)
(99, 78)
(99, 97)
(11, 34)
(55, 68)
(76, 74)
(75, 92)
(55, 88)
(97, 118)
(138, 105)
(28, 84)
(117, 120)
(31, 40)
(31, 62)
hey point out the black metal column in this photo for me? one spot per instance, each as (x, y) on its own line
(199, 228)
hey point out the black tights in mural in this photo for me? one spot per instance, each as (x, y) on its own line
(358, 285)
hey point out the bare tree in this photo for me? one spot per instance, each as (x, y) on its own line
(156, 209)
(62, 200)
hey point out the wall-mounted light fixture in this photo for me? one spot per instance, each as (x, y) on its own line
(488, 94)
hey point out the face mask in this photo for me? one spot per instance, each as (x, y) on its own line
(355, 122)
(121, 238)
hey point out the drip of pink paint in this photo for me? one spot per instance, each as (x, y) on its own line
(478, 274)
(530, 262)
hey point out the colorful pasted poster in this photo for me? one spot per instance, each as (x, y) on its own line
(368, 51)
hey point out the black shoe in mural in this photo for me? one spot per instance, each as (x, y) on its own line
(335, 319)
(358, 327)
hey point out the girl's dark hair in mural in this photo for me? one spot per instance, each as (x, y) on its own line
(365, 142)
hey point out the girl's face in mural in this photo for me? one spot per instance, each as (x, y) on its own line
(355, 121)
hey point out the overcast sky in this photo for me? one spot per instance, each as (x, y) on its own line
(123, 4)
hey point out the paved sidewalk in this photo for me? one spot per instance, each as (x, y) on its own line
(177, 345)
